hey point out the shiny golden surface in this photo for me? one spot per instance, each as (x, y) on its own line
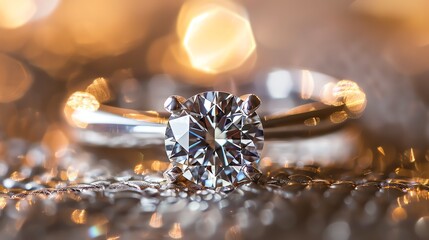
(76, 107)
(100, 89)
(83, 101)
(79, 216)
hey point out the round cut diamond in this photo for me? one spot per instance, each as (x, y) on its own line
(212, 139)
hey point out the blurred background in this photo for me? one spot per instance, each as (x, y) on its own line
(136, 53)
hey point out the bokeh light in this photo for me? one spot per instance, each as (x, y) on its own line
(94, 28)
(216, 35)
(407, 46)
(14, 14)
(15, 79)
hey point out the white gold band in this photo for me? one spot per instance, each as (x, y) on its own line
(322, 104)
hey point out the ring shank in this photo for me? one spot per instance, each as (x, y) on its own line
(119, 127)
(281, 117)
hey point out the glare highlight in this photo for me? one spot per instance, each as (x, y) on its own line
(216, 36)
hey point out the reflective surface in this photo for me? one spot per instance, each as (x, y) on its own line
(88, 201)
(212, 139)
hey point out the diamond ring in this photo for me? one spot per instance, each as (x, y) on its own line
(214, 138)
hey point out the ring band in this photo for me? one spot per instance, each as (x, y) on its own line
(326, 108)
(214, 138)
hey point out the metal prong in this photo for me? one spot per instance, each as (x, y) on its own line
(252, 172)
(173, 174)
(174, 103)
(251, 102)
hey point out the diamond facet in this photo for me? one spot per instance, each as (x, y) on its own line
(213, 139)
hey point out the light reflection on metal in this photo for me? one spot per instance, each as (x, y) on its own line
(77, 105)
(139, 169)
(79, 216)
(216, 35)
(83, 101)
(176, 231)
(327, 96)
(155, 220)
(413, 196)
(17, 176)
(412, 158)
(292, 86)
(126, 127)
(342, 145)
(99, 88)
(312, 121)
(20, 205)
(114, 238)
(150, 116)
(15, 80)
(279, 84)
(72, 173)
(307, 84)
(351, 95)
(338, 117)
(3, 202)
(409, 165)
(381, 150)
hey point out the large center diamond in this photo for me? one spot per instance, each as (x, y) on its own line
(211, 139)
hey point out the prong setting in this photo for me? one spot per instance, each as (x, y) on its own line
(173, 174)
(252, 172)
(199, 129)
(251, 102)
(174, 103)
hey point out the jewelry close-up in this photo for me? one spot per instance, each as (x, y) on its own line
(214, 139)
(214, 119)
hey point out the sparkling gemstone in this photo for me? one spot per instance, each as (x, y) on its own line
(212, 139)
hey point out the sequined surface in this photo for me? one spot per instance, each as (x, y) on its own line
(305, 202)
